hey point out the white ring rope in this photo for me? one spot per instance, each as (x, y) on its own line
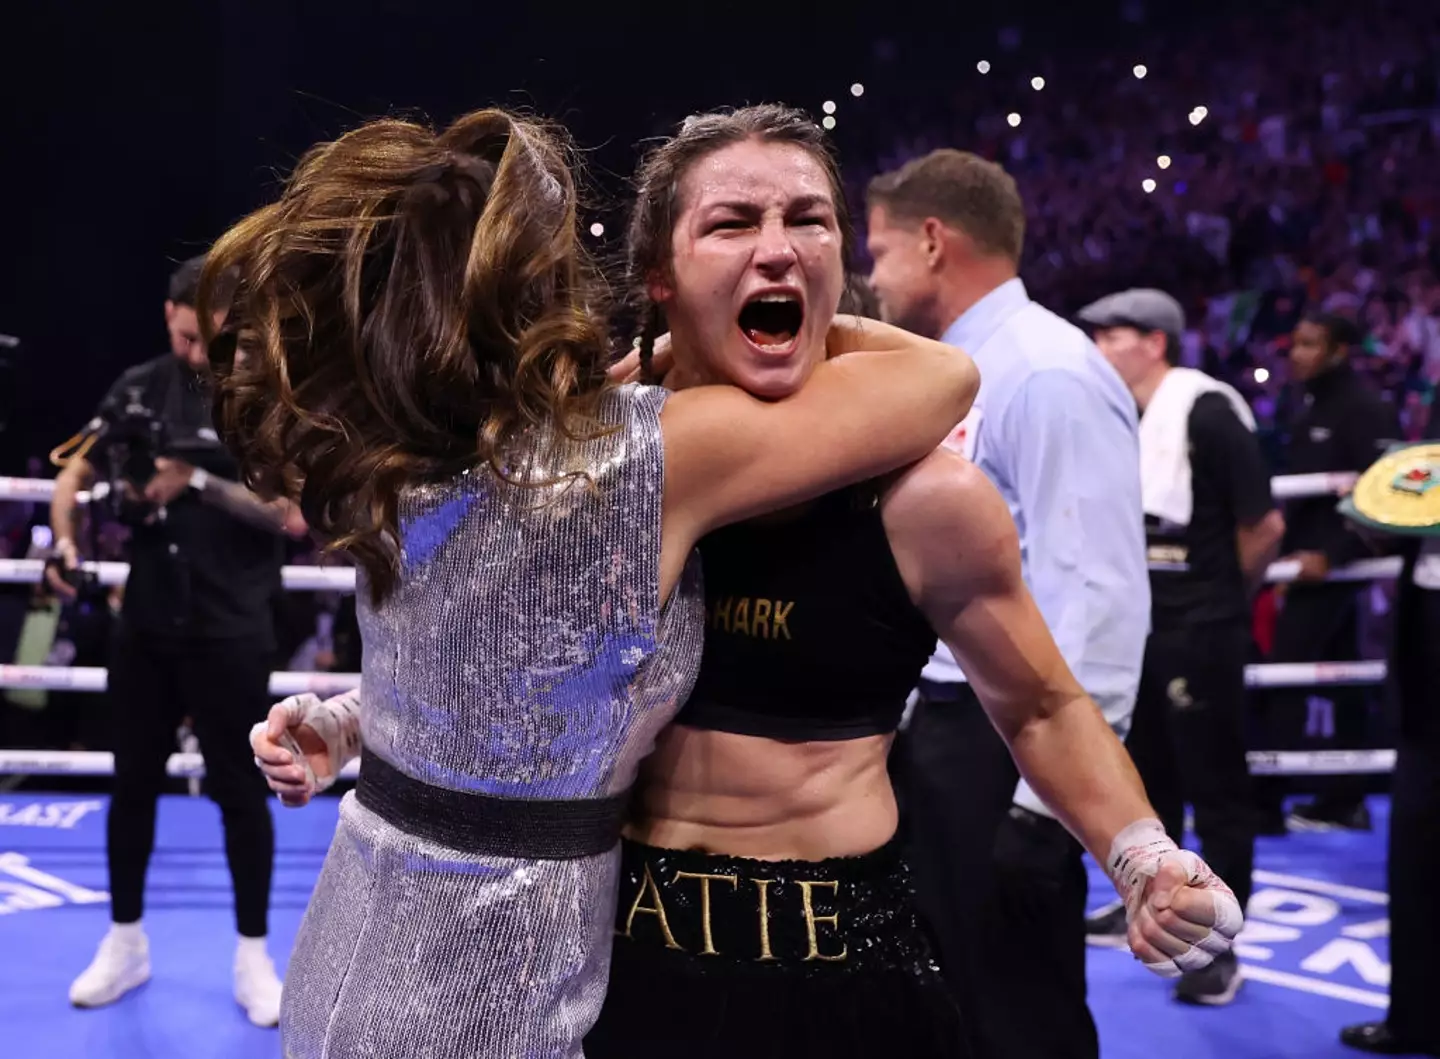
(1282, 487)
(92, 678)
(1296, 486)
(102, 763)
(296, 578)
(342, 578)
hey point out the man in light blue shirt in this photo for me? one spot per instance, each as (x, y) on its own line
(1055, 429)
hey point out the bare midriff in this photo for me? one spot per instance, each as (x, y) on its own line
(745, 796)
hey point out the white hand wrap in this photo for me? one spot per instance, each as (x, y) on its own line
(336, 721)
(1137, 855)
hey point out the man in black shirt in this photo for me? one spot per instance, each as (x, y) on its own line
(197, 637)
(1342, 425)
(1212, 528)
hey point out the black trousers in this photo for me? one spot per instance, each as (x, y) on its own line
(1187, 739)
(79, 717)
(1003, 890)
(1318, 623)
(223, 686)
(1414, 855)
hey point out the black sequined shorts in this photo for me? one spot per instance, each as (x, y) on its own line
(726, 956)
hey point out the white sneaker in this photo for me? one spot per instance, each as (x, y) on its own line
(121, 964)
(257, 986)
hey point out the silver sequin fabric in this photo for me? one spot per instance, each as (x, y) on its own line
(524, 655)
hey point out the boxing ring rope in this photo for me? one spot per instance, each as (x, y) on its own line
(342, 579)
(295, 578)
(1283, 487)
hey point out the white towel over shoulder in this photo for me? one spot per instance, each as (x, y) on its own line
(1165, 441)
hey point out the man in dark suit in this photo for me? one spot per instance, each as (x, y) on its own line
(1412, 1025)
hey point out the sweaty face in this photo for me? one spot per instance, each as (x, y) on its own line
(1309, 351)
(901, 276)
(1127, 351)
(185, 340)
(756, 269)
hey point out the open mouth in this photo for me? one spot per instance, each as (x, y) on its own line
(772, 322)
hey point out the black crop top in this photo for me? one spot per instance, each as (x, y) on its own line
(810, 633)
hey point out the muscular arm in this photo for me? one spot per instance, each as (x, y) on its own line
(958, 550)
(960, 555)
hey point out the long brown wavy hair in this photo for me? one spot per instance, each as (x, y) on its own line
(410, 304)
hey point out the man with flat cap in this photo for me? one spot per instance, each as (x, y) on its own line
(1211, 530)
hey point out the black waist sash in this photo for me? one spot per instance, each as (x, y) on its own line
(531, 829)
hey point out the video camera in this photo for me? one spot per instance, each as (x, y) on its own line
(132, 437)
(125, 440)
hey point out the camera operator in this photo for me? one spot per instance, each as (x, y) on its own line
(197, 637)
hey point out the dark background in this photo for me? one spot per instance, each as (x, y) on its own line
(133, 134)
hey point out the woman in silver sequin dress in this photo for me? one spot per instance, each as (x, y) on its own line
(419, 365)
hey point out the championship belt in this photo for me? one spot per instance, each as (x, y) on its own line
(1400, 493)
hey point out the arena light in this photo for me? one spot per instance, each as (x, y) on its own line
(857, 90)
(1198, 115)
(1148, 185)
(1037, 83)
(1262, 375)
(1140, 71)
(983, 66)
(828, 106)
(828, 121)
(1013, 119)
(1163, 161)
(597, 229)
